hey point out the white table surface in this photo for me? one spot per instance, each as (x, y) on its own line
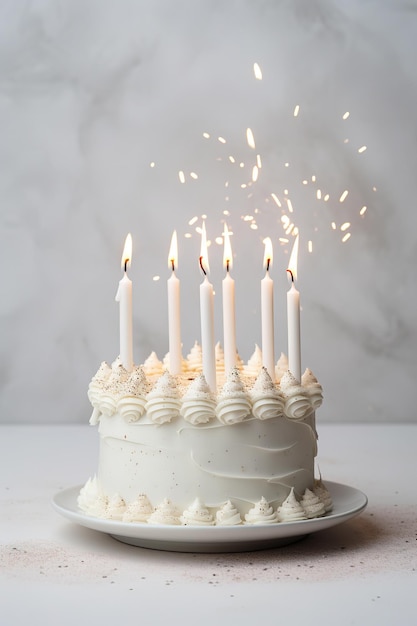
(361, 572)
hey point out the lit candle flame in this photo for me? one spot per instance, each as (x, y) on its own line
(173, 252)
(292, 264)
(268, 253)
(204, 261)
(127, 253)
(227, 250)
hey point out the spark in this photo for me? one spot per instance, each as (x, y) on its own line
(221, 139)
(326, 197)
(289, 205)
(276, 199)
(258, 161)
(226, 212)
(313, 178)
(254, 226)
(318, 194)
(255, 173)
(219, 240)
(343, 196)
(296, 110)
(247, 218)
(193, 220)
(152, 164)
(334, 225)
(283, 240)
(257, 71)
(362, 149)
(194, 175)
(345, 226)
(310, 246)
(286, 164)
(346, 237)
(187, 235)
(345, 115)
(156, 278)
(250, 138)
(305, 182)
(232, 159)
(206, 135)
(363, 210)
(181, 176)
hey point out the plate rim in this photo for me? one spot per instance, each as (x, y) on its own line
(162, 533)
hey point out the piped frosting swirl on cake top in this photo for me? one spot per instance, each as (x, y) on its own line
(245, 392)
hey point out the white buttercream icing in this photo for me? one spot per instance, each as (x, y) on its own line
(261, 513)
(152, 365)
(291, 510)
(199, 403)
(323, 494)
(313, 388)
(88, 494)
(138, 510)
(297, 403)
(113, 390)
(197, 515)
(219, 355)
(195, 358)
(228, 515)
(165, 513)
(131, 405)
(312, 505)
(281, 366)
(163, 402)
(254, 364)
(115, 508)
(98, 508)
(233, 402)
(267, 400)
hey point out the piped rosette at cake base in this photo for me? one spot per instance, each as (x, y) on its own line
(163, 402)
(291, 510)
(138, 510)
(233, 403)
(297, 401)
(132, 401)
(267, 400)
(198, 403)
(228, 515)
(197, 514)
(261, 513)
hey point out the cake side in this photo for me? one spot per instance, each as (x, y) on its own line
(173, 452)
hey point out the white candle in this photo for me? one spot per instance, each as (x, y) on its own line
(124, 298)
(229, 323)
(207, 317)
(267, 313)
(174, 318)
(293, 317)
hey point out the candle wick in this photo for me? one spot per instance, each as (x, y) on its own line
(291, 274)
(126, 262)
(173, 265)
(267, 264)
(202, 268)
(227, 265)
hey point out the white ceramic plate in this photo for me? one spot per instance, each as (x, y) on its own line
(347, 502)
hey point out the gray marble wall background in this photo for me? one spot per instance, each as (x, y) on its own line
(92, 93)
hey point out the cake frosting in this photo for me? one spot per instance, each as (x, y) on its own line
(174, 452)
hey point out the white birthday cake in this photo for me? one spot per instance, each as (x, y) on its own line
(173, 452)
